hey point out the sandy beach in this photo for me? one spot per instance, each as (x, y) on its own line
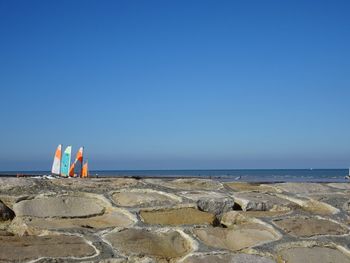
(172, 220)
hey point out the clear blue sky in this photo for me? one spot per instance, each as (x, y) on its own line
(176, 84)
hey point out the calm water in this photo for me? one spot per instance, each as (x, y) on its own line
(251, 175)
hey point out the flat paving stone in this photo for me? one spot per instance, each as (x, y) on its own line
(307, 227)
(144, 197)
(243, 187)
(177, 216)
(187, 184)
(253, 201)
(25, 248)
(160, 244)
(100, 184)
(227, 258)
(112, 218)
(312, 255)
(303, 188)
(8, 183)
(242, 236)
(59, 206)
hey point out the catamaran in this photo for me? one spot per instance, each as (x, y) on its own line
(62, 163)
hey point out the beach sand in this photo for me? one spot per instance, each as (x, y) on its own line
(172, 220)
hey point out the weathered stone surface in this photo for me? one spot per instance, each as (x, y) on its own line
(101, 184)
(8, 183)
(312, 255)
(177, 216)
(160, 244)
(215, 206)
(13, 248)
(144, 197)
(336, 200)
(243, 187)
(113, 218)
(313, 206)
(187, 184)
(59, 206)
(263, 214)
(5, 212)
(242, 236)
(197, 195)
(303, 188)
(346, 206)
(252, 201)
(341, 186)
(226, 258)
(307, 227)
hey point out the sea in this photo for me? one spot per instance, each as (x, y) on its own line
(244, 175)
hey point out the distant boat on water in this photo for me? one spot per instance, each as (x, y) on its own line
(62, 163)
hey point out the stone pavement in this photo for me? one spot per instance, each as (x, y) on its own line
(172, 220)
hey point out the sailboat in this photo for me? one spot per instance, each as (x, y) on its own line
(65, 164)
(56, 166)
(85, 170)
(348, 176)
(78, 159)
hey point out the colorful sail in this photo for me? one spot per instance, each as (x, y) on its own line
(85, 172)
(56, 166)
(71, 170)
(78, 159)
(65, 165)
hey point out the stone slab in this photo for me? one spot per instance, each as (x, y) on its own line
(59, 206)
(14, 248)
(177, 216)
(166, 244)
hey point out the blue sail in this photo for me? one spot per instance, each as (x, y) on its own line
(65, 165)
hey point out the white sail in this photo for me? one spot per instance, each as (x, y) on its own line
(56, 165)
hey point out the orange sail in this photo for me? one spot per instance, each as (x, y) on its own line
(85, 171)
(78, 158)
(56, 166)
(71, 170)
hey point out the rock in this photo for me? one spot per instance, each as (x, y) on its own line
(5, 212)
(226, 258)
(336, 200)
(242, 236)
(197, 195)
(9, 183)
(313, 206)
(100, 185)
(25, 248)
(60, 206)
(252, 201)
(113, 218)
(177, 216)
(303, 188)
(341, 186)
(144, 197)
(307, 227)
(346, 206)
(187, 184)
(215, 206)
(243, 187)
(167, 244)
(312, 255)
